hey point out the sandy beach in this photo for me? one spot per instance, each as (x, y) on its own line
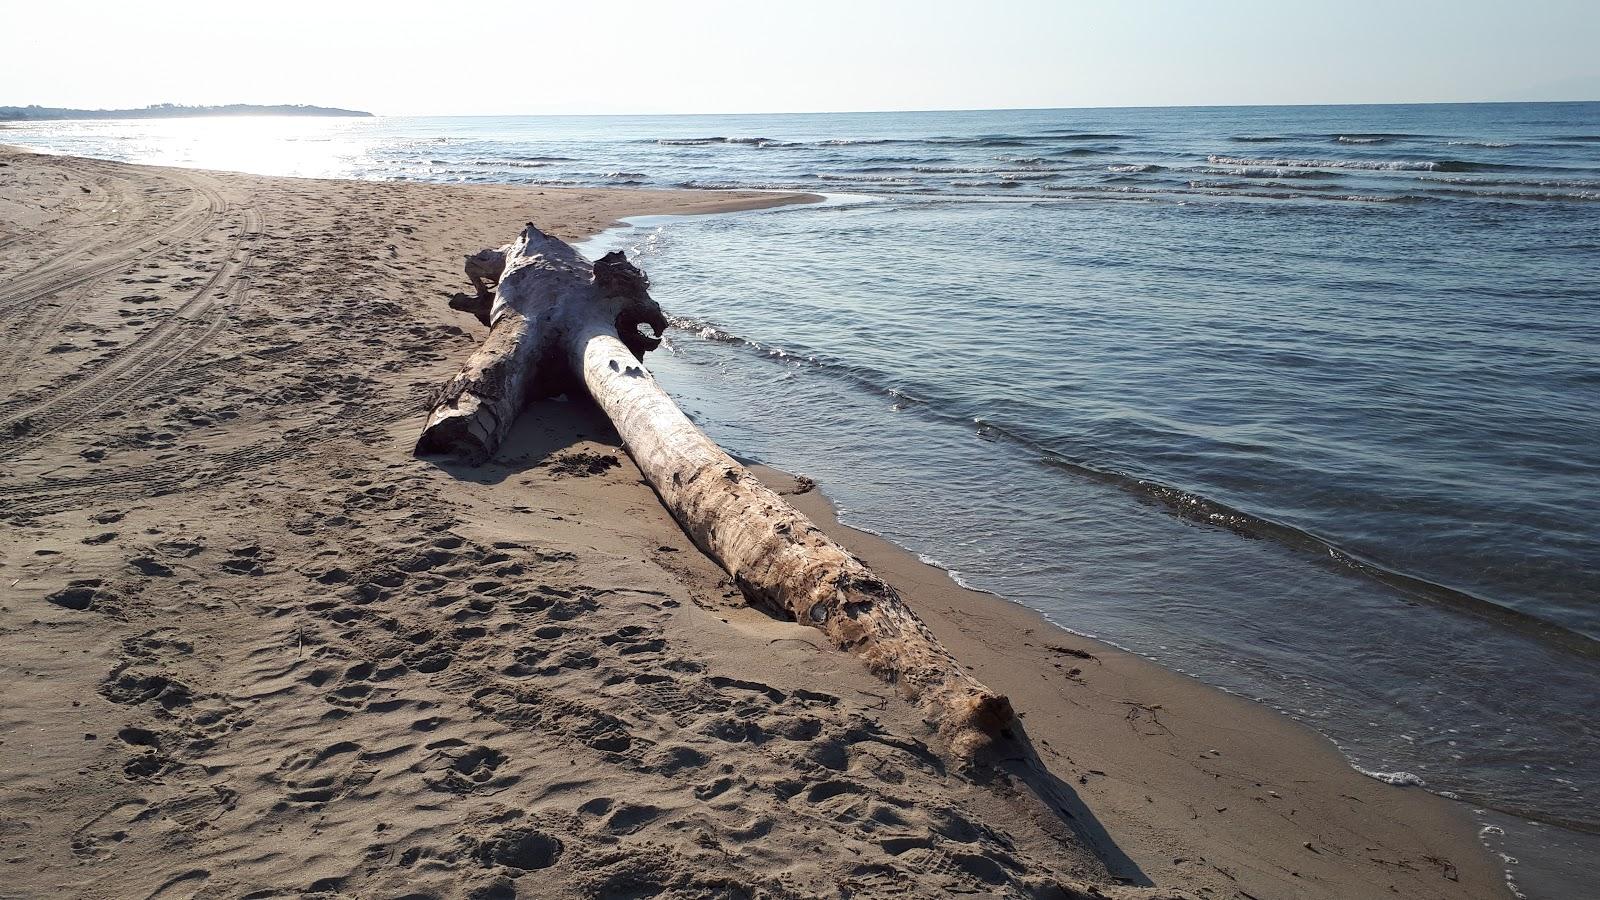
(255, 648)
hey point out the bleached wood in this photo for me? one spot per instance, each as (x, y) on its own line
(559, 321)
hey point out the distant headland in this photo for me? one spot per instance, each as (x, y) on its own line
(170, 111)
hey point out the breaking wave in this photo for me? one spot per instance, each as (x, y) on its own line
(710, 141)
(1443, 165)
(1083, 136)
(1267, 172)
(1401, 779)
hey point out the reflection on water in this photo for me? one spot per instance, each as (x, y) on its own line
(310, 147)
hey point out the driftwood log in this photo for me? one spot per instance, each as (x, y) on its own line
(484, 269)
(560, 324)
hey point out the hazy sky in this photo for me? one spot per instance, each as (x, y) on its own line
(479, 57)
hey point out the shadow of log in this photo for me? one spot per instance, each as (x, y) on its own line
(545, 429)
(477, 304)
(1013, 763)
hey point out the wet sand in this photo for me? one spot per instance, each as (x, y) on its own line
(254, 647)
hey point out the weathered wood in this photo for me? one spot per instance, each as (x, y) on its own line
(559, 321)
(473, 412)
(484, 269)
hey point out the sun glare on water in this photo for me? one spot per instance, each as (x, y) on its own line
(264, 145)
(268, 145)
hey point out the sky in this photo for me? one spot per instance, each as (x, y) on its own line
(709, 56)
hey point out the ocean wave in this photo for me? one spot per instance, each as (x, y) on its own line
(858, 179)
(1356, 136)
(1224, 190)
(1442, 165)
(1382, 198)
(758, 142)
(704, 329)
(1089, 136)
(851, 142)
(1494, 144)
(1266, 172)
(1012, 140)
(987, 140)
(1303, 185)
(1135, 167)
(1349, 139)
(1580, 183)
(1253, 190)
(1527, 196)
(1401, 779)
(1259, 139)
(716, 186)
(949, 170)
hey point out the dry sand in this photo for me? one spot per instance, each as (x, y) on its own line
(253, 648)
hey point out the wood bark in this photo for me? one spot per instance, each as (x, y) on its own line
(560, 323)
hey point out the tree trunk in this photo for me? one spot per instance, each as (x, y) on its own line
(473, 412)
(559, 322)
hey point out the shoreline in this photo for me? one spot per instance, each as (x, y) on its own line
(1544, 853)
(1490, 820)
(1135, 740)
(1185, 733)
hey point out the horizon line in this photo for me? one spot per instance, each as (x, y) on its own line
(835, 112)
(1007, 108)
(869, 112)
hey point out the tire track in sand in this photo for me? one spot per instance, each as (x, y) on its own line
(26, 307)
(146, 362)
(82, 264)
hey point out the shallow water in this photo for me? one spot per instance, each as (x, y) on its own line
(1303, 401)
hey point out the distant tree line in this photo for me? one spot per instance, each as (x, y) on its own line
(169, 111)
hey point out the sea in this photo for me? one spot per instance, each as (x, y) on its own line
(1301, 401)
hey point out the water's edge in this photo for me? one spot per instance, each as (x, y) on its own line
(1501, 833)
